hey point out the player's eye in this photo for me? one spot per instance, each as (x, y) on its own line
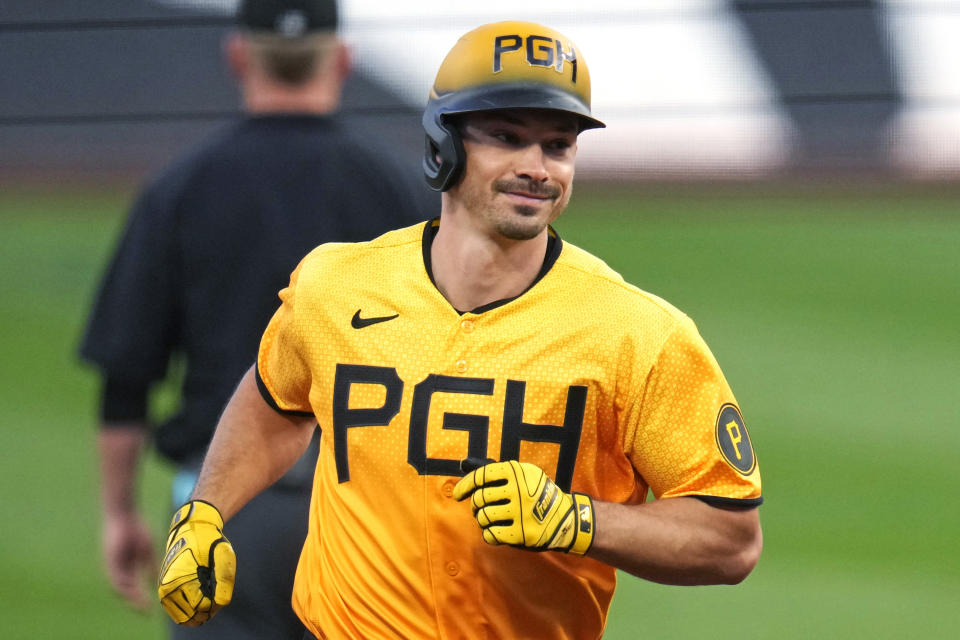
(507, 137)
(558, 145)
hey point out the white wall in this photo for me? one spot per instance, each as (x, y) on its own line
(926, 39)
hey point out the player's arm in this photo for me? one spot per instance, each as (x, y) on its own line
(678, 541)
(252, 447)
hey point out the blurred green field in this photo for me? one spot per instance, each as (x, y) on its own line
(833, 316)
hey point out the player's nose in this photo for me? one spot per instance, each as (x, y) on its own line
(531, 165)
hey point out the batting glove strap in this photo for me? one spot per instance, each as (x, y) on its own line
(195, 511)
(583, 536)
(199, 567)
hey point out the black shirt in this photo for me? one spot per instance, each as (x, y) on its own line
(211, 241)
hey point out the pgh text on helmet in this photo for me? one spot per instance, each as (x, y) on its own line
(505, 65)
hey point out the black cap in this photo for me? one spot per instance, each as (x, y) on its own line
(289, 18)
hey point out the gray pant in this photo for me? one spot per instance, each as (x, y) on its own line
(267, 535)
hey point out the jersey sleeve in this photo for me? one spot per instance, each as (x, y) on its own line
(688, 437)
(134, 322)
(283, 376)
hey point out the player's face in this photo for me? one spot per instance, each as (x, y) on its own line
(519, 170)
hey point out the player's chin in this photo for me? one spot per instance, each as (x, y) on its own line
(528, 211)
(523, 227)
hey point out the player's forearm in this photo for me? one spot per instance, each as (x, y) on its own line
(679, 541)
(120, 446)
(252, 447)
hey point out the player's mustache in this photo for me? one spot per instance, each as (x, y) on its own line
(528, 186)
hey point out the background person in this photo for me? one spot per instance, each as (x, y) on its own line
(208, 244)
(480, 335)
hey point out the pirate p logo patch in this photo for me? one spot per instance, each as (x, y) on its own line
(733, 441)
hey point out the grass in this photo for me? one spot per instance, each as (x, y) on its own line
(833, 316)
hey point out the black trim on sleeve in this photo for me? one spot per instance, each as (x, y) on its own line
(123, 400)
(717, 501)
(273, 403)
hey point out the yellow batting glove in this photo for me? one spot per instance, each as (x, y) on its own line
(517, 504)
(199, 567)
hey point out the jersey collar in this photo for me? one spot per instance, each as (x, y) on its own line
(554, 247)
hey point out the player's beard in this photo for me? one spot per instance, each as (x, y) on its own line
(526, 221)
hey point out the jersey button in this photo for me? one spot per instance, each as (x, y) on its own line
(452, 569)
(447, 489)
(467, 326)
(461, 366)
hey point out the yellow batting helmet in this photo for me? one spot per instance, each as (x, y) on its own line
(504, 65)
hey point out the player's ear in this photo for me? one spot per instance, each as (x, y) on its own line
(236, 51)
(343, 61)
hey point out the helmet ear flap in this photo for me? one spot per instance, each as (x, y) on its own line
(443, 156)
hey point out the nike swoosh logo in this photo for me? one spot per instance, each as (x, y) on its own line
(359, 323)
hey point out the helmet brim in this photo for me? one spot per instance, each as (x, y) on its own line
(511, 96)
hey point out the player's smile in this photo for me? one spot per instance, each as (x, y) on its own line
(527, 194)
(527, 197)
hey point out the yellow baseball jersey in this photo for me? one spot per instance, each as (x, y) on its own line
(609, 389)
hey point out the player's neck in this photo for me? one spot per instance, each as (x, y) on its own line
(472, 270)
(262, 96)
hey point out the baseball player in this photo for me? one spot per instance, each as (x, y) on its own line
(486, 391)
